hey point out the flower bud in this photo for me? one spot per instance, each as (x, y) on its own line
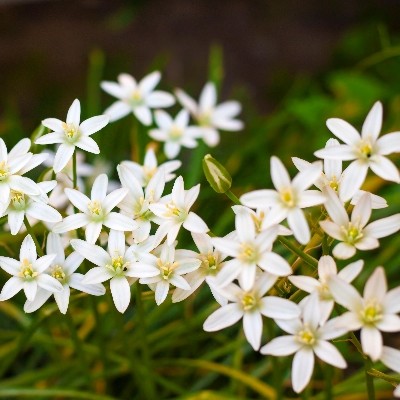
(216, 174)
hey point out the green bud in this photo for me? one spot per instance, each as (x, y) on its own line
(216, 174)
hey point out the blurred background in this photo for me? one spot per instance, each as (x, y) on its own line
(292, 64)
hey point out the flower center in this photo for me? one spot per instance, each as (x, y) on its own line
(287, 197)
(334, 184)
(27, 272)
(249, 253)
(4, 171)
(148, 173)
(306, 337)
(210, 263)
(372, 313)
(324, 292)
(118, 265)
(258, 220)
(249, 301)
(174, 211)
(366, 149)
(135, 98)
(175, 133)
(58, 273)
(18, 200)
(71, 132)
(204, 119)
(95, 209)
(353, 233)
(166, 269)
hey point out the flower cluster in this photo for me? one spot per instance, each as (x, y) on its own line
(128, 232)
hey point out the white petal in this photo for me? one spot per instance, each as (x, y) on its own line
(121, 293)
(352, 179)
(304, 179)
(391, 358)
(341, 152)
(373, 123)
(281, 346)
(193, 223)
(11, 288)
(88, 144)
(275, 264)
(383, 227)
(223, 317)
(62, 299)
(74, 113)
(371, 342)
(149, 82)
(385, 168)
(97, 275)
(113, 89)
(28, 249)
(343, 130)
(252, 326)
(113, 198)
(227, 274)
(228, 109)
(179, 282)
(44, 212)
(277, 308)
(42, 263)
(306, 283)
(344, 294)
(247, 276)
(298, 224)
(227, 246)
(302, 369)
(376, 286)
(279, 175)
(310, 198)
(391, 302)
(143, 114)
(91, 252)
(161, 291)
(78, 199)
(351, 271)
(54, 124)
(75, 282)
(389, 144)
(94, 124)
(329, 353)
(50, 138)
(24, 185)
(71, 223)
(15, 221)
(245, 227)
(160, 99)
(362, 211)
(49, 283)
(10, 265)
(335, 208)
(41, 297)
(208, 96)
(389, 323)
(260, 198)
(63, 155)
(30, 289)
(186, 101)
(332, 229)
(326, 267)
(117, 110)
(92, 231)
(119, 222)
(343, 251)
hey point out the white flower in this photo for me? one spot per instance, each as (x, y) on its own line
(373, 313)
(71, 134)
(174, 132)
(150, 167)
(306, 338)
(116, 264)
(36, 207)
(170, 268)
(354, 233)
(249, 251)
(326, 268)
(135, 97)
(289, 197)
(332, 176)
(211, 116)
(96, 211)
(211, 263)
(251, 305)
(28, 272)
(12, 166)
(366, 150)
(173, 210)
(63, 269)
(136, 203)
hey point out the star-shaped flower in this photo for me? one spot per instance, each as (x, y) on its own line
(71, 134)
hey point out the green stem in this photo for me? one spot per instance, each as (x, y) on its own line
(369, 380)
(233, 197)
(148, 384)
(33, 235)
(388, 378)
(305, 257)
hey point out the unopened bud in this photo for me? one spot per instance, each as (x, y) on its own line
(216, 174)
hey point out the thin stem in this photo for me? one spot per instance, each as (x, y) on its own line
(33, 235)
(307, 258)
(148, 384)
(369, 380)
(233, 197)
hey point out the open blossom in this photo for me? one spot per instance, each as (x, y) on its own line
(117, 264)
(367, 151)
(136, 97)
(212, 261)
(332, 176)
(174, 211)
(63, 269)
(174, 132)
(170, 265)
(96, 211)
(251, 305)
(71, 134)
(34, 206)
(136, 203)
(211, 116)
(249, 251)
(12, 166)
(150, 167)
(354, 233)
(305, 338)
(374, 312)
(326, 268)
(28, 272)
(289, 197)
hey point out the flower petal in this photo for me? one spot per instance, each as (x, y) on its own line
(252, 326)
(281, 346)
(94, 124)
(121, 293)
(302, 369)
(223, 317)
(329, 353)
